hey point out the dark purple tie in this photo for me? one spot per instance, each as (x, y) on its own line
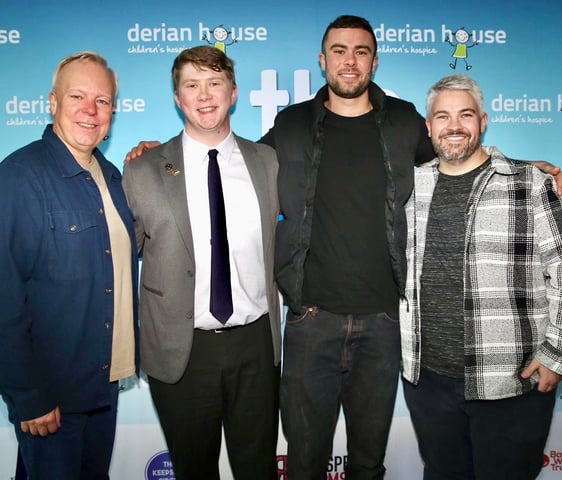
(221, 292)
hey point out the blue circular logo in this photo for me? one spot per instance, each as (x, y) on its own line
(159, 467)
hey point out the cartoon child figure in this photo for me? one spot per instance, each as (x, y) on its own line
(219, 35)
(461, 47)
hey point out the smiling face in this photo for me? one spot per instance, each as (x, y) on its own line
(455, 127)
(349, 61)
(220, 34)
(82, 106)
(461, 36)
(205, 97)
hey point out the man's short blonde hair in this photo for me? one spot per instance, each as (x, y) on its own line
(85, 56)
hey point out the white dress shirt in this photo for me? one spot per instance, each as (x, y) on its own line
(243, 224)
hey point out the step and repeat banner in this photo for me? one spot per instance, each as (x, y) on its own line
(513, 49)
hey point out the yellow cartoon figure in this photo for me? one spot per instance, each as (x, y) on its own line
(461, 48)
(219, 36)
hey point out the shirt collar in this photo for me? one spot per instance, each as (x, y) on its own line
(66, 162)
(197, 151)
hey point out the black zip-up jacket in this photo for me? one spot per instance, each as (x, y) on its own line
(298, 138)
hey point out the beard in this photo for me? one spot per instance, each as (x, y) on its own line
(457, 152)
(345, 90)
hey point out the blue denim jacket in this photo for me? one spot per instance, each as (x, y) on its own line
(56, 280)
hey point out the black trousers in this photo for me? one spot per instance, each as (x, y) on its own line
(478, 439)
(231, 383)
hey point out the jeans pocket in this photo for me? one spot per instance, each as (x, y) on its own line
(390, 319)
(294, 318)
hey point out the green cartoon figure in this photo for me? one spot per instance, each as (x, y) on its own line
(461, 48)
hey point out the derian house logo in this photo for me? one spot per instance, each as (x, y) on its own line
(409, 39)
(164, 39)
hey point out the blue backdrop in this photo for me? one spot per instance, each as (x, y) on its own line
(513, 51)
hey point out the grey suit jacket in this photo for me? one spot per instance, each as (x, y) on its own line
(159, 203)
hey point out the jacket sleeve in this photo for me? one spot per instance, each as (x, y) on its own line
(269, 138)
(548, 227)
(129, 187)
(424, 151)
(22, 226)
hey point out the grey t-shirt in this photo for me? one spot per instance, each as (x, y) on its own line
(442, 317)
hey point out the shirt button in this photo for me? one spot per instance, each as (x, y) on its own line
(105, 366)
(107, 325)
(100, 211)
(108, 251)
(73, 228)
(108, 290)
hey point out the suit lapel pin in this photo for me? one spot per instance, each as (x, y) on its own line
(171, 170)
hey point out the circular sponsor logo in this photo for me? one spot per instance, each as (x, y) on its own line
(159, 467)
(545, 460)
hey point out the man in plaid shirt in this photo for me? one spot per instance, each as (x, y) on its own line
(481, 323)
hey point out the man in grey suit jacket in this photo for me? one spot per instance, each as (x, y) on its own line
(209, 371)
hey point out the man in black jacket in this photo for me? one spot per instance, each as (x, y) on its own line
(346, 169)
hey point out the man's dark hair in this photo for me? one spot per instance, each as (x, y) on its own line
(350, 21)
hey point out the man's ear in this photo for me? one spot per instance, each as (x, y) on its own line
(322, 60)
(52, 102)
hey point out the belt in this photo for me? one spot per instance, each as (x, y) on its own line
(229, 329)
(234, 327)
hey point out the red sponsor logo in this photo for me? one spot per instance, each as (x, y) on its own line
(335, 470)
(553, 461)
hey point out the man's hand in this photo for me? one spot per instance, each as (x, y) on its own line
(551, 170)
(548, 380)
(143, 147)
(44, 425)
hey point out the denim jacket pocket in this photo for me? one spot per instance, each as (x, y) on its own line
(74, 243)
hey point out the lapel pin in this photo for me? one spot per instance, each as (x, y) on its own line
(171, 170)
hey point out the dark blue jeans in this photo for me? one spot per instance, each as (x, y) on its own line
(332, 361)
(80, 448)
(478, 439)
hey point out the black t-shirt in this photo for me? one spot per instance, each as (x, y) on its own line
(348, 267)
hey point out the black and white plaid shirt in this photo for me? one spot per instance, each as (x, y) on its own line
(512, 277)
